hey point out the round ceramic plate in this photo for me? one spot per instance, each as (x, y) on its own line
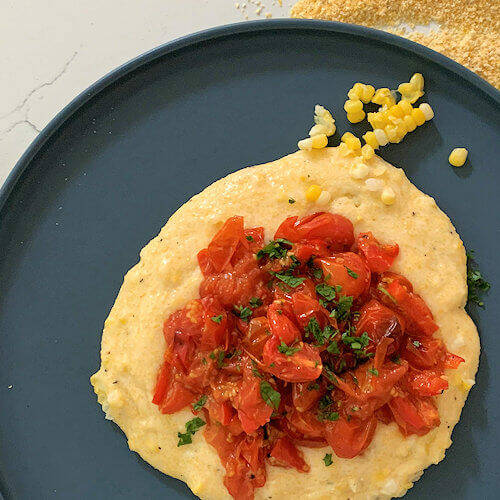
(104, 176)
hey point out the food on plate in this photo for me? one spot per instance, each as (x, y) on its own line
(458, 157)
(269, 344)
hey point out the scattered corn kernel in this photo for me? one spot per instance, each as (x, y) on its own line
(313, 192)
(418, 80)
(324, 198)
(315, 142)
(351, 141)
(344, 149)
(377, 120)
(409, 123)
(418, 115)
(379, 170)
(323, 117)
(374, 184)
(458, 157)
(357, 117)
(381, 136)
(317, 130)
(467, 383)
(371, 139)
(367, 93)
(353, 106)
(392, 133)
(388, 196)
(405, 107)
(427, 111)
(395, 111)
(356, 91)
(367, 152)
(409, 92)
(384, 97)
(359, 170)
(401, 130)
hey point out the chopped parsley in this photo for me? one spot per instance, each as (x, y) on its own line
(255, 302)
(276, 249)
(191, 427)
(289, 279)
(313, 387)
(333, 348)
(357, 344)
(243, 313)
(416, 343)
(396, 359)
(220, 358)
(326, 291)
(249, 237)
(270, 395)
(286, 350)
(320, 335)
(317, 273)
(291, 201)
(325, 412)
(200, 403)
(216, 319)
(351, 273)
(342, 309)
(385, 292)
(328, 460)
(373, 371)
(476, 283)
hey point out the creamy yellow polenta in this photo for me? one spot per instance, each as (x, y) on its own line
(167, 276)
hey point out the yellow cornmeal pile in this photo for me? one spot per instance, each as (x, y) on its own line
(468, 29)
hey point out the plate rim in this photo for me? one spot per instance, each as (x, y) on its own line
(227, 30)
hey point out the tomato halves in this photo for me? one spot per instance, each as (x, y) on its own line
(378, 257)
(286, 454)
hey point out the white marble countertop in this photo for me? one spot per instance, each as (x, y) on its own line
(54, 49)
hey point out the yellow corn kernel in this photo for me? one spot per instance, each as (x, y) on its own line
(356, 117)
(356, 91)
(359, 170)
(458, 157)
(418, 81)
(409, 92)
(418, 115)
(405, 107)
(377, 120)
(305, 144)
(317, 129)
(388, 196)
(353, 106)
(324, 198)
(409, 123)
(352, 142)
(344, 149)
(313, 192)
(381, 136)
(401, 130)
(367, 152)
(392, 133)
(383, 97)
(427, 111)
(371, 139)
(395, 111)
(319, 141)
(367, 94)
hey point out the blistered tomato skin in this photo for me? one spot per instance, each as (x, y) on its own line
(309, 340)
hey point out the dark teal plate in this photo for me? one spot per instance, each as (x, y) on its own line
(104, 176)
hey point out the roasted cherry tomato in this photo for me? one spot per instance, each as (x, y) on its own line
(424, 382)
(349, 438)
(310, 248)
(286, 454)
(347, 270)
(281, 322)
(414, 415)
(305, 395)
(257, 335)
(378, 257)
(170, 395)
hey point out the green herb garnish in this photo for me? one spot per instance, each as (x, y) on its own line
(291, 201)
(276, 249)
(255, 302)
(289, 279)
(270, 395)
(243, 313)
(328, 459)
(216, 319)
(326, 291)
(286, 350)
(385, 292)
(191, 427)
(200, 403)
(317, 273)
(373, 371)
(476, 283)
(249, 237)
(333, 348)
(342, 309)
(351, 273)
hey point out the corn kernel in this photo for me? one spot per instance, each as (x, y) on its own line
(418, 81)
(319, 141)
(317, 130)
(427, 111)
(458, 157)
(418, 115)
(395, 111)
(344, 149)
(401, 130)
(357, 117)
(383, 97)
(381, 136)
(313, 192)
(356, 92)
(409, 92)
(359, 170)
(351, 141)
(405, 107)
(409, 123)
(305, 144)
(367, 94)
(367, 152)
(377, 120)
(374, 184)
(324, 198)
(352, 106)
(392, 133)
(371, 139)
(323, 117)
(388, 196)
(379, 170)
